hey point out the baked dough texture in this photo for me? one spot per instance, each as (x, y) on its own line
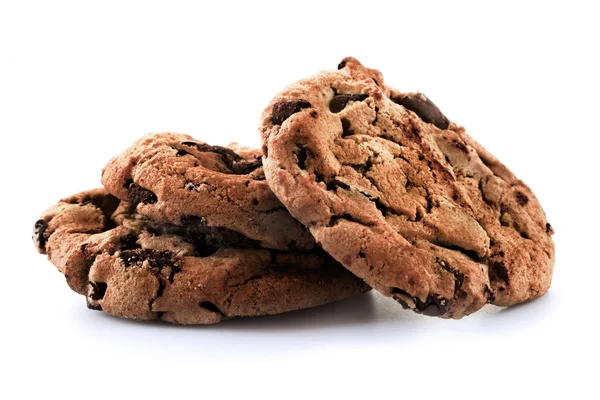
(403, 197)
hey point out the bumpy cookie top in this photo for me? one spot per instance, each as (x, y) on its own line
(130, 266)
(403, 197)
(176, 179)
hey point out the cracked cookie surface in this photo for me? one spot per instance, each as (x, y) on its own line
(130, 266)
(403, 197)
(173, 178)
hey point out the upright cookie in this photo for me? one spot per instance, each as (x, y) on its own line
(175, 179)
(132, 267)
(403, 197)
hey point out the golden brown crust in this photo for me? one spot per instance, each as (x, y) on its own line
(402, 197)
(172, 178)
(133, 267)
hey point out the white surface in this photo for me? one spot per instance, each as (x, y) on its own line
(80, 81)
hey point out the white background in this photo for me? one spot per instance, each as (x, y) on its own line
(80, 81)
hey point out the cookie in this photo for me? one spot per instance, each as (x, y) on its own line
(175, 179)
(403, 197)
(130, 266)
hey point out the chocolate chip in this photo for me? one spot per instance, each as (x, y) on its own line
(346, 131)
(500, 270)
(338, 103)
(400, 300)
(374, 122)
(91, 306)
(97, 290)
(549, 228)
(283, 110)
(38, 234)
(342, 64)
(461, 146)
(245, 167)
(181, 152)
(129, 242)
(206, 148)
(208, 239)
(155, 258)
(424, 108)
(229, 155)
(232, 160)
(210, 307)
(138, 194)
(522, 199)
(434, 306)
(459, 278)
(302, 156)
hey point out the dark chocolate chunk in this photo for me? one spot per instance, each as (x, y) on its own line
(283, 110)
(461, 146)
(459, 278)
(434, 306)
(490, 295)
(39, 240)
(91, 306)
(522, 199)
(395, 295)
(339, 101)
(342, 64)
(500, 270)
(97, 290)
(138, 194)
(245, 167)
(223, 151)
(346, 130)
(129, 242)
(207, 239)
(302, 156)
(424, 108)
(155, 258)
(549, 228)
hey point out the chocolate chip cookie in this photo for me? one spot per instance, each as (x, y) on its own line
(175, 179)
(402, 196)
(130, 266)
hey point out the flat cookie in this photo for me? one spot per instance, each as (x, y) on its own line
(175, 179)
(132, 267)
(403, 197)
